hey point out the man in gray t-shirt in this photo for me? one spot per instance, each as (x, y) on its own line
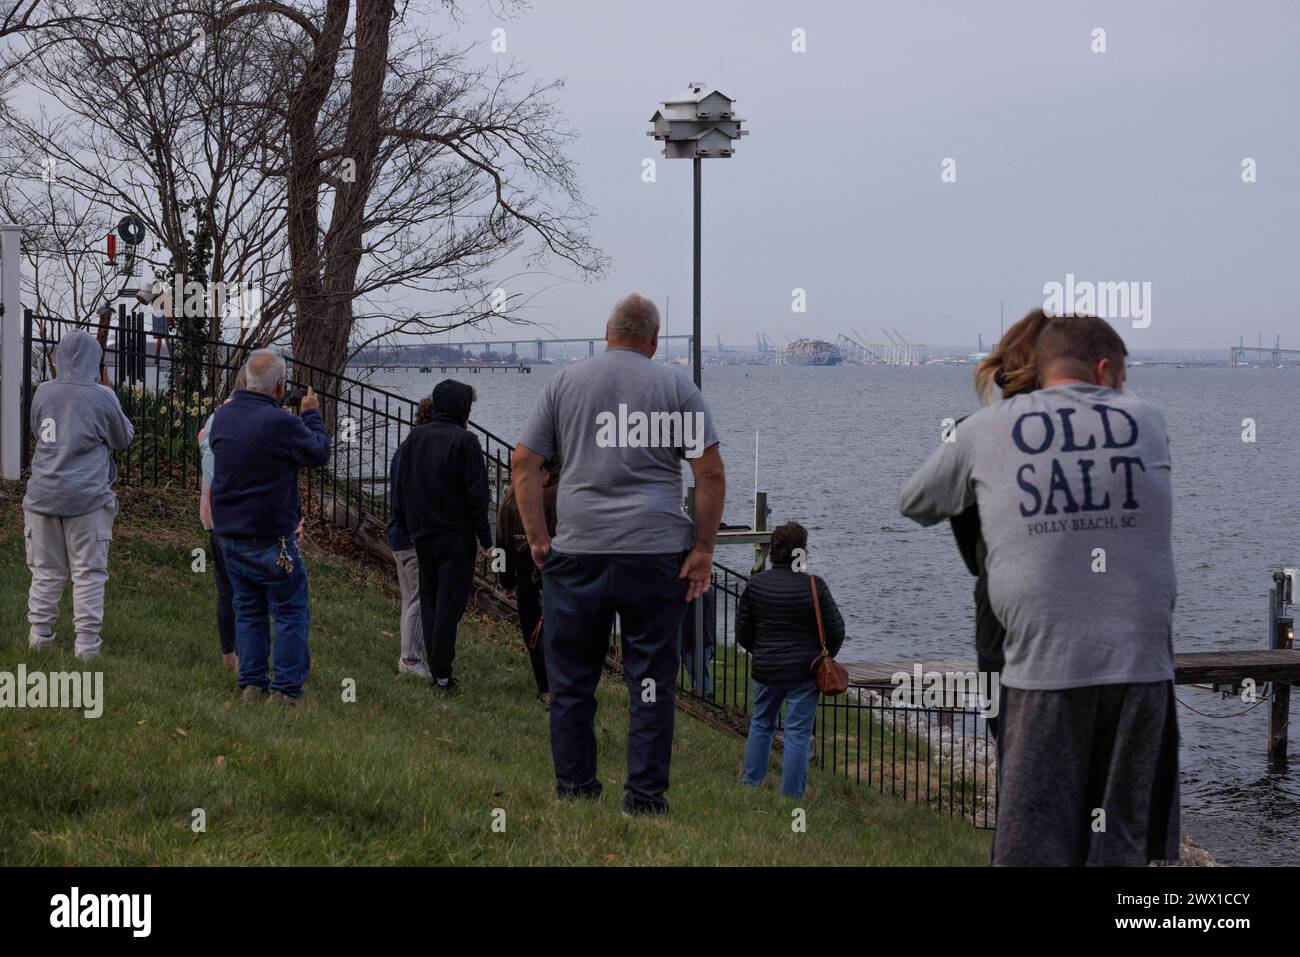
(1075, 504)
(622, 425)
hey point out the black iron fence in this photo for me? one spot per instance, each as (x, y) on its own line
(169, 392)
(938, 756)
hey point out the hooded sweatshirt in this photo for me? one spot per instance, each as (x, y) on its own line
(1075, 500)
(76, 422)
(441, 485)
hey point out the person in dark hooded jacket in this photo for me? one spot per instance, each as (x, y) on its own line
(776, 622)
(441, 504)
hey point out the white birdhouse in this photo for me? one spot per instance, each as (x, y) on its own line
(699, 123)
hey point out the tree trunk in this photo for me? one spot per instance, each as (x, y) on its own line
(322, 337)
(303, 189)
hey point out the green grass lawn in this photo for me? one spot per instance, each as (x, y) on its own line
(398, 777)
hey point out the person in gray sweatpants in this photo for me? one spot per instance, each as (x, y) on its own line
(411, 661)
(69, 507)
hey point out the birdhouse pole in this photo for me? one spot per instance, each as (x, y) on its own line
(698, 125)
(695, 309)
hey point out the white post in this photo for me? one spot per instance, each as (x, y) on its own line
(11, 352)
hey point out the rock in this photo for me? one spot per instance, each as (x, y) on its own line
(1190, 854)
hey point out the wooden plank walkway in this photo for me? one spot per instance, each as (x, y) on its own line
(1193, 667)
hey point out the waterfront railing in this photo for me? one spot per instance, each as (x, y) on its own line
(941, 757)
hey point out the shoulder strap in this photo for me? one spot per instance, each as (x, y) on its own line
(817, 608)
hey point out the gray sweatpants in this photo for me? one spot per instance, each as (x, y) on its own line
(1087, 776)
(59, 548)
(408, 579)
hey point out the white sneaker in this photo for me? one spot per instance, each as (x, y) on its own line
(88, 654)
(418, 668)
(39, 642)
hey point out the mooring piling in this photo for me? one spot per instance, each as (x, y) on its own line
(1281, 636)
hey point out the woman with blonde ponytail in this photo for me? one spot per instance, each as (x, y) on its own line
(1012, 366)
(1010, 369)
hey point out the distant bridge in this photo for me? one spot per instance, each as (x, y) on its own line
(538, 345)
(1276, 355)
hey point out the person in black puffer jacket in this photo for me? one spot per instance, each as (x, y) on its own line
(776, 623)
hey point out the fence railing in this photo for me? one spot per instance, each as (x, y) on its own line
(942, 757)
(169, 392)
(937, 756)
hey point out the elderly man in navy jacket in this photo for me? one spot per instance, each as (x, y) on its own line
(258, 448)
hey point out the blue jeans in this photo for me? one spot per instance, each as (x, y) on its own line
(580, 596)
(799, 720)
(263, 587)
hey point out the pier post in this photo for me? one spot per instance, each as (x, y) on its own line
(760, 525)
(1281, 635)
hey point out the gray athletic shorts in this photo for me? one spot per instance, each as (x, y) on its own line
(1087, 776)
(159, 325)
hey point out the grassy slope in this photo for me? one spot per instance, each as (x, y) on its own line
(397, 777)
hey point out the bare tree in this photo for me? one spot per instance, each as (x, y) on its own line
(335, 152)
(171, 142)
(427, 173)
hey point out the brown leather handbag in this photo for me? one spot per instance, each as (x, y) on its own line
(831, 677)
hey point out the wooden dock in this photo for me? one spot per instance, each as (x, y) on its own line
(1190, 668)
(1234, 672)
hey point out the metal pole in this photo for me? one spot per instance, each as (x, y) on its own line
(696, 611)
(12, 374)
(696, 321)
(1279, 713)
(27, 388)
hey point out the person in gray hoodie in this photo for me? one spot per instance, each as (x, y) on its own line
(69, 507)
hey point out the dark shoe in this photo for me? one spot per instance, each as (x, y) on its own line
(590, 792)
(279, 697)
(451, 687)
(253, 694)
(634, 808)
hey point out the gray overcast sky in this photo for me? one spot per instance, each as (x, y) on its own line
(1123, 165)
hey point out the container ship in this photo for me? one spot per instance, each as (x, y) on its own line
(810, 352)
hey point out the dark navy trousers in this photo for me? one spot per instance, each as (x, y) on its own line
(581, 595)
(446, 580)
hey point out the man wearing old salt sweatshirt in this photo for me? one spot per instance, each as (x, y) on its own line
(257, 449)
(1075, 505)
(69, 507)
